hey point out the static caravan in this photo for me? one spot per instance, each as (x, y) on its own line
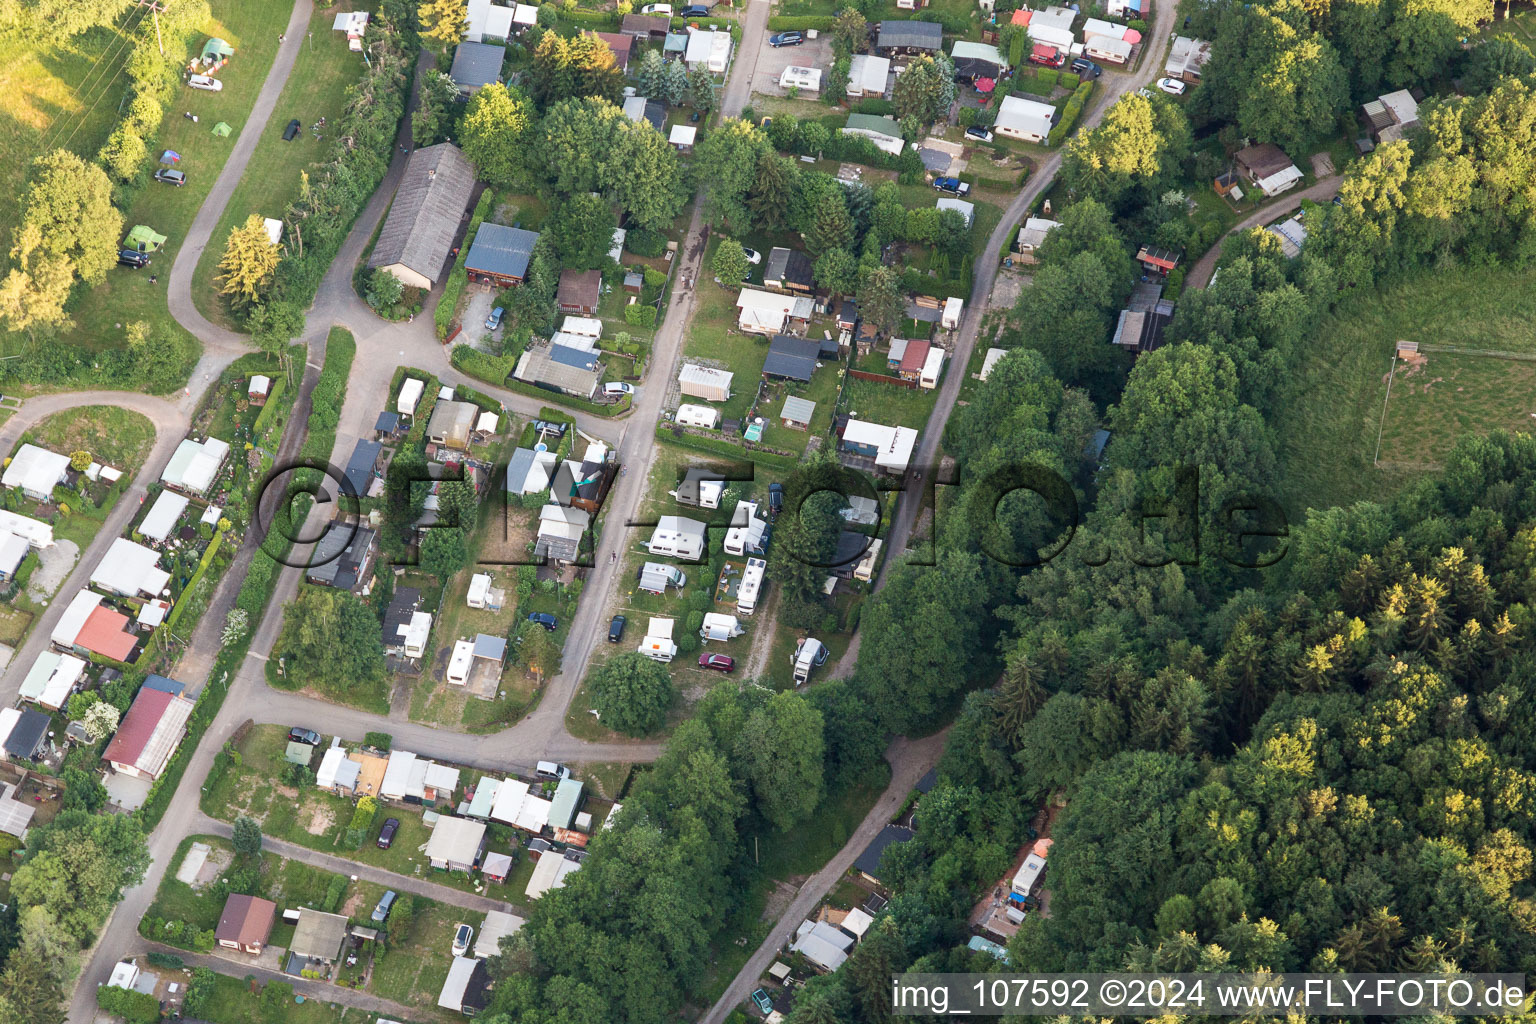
(697, 416)
(1108, 49)
(658, 645)
(751, 586)
(656, 577)
(719, 627)
(804, 79)
(933, 368)
(865, 569)
(677, 537)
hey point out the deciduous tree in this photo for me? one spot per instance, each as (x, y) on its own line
(443, 21)
(781, 748)
(581, 232)
(730, 263)
(631, 694)
(494, 133)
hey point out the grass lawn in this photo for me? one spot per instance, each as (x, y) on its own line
(1327, 431)
(888, 403)
(102, 313)
(234, 1002)
(412, 972)
(115, 437)
(316, 88)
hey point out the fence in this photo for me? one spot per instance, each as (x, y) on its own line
(880, 378)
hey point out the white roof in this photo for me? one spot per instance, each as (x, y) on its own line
(634, 108)
(212, 514)
(533, 815)
(274, 232)
(195, 464)
(586, 326)
(525, 14)
(498, 925)
(458, 662)
(801, 77)
(509, 800)
(751, 582)
(51, 678)
(260, 384)
(706, 376)
(1108, 45)
(659, 628)
(978, 51)
(1402, 104)
(1099, 27)
(410, 395)
(334, 768)
(498, 22)
(38, 533)
(893, 444)
(35, 470)
(706, 47)
(455, 840)
(1053, 17)
(1034, 231)
(960, 206)
(563, 521)
(1061, 38)
(457, 982)
(152, 613)
(441, 777)
(12, 550)
(416, 632)
(1279, 181)
(679, 533)
(746, 528)
(683, 134)
(1029, 116)
(820, 950)
(994, 356)
(1292, 234)
(1028, 873)
(163, 515)
(350, 21)
(129, 568)
(487, 423)
(857, 922)
(868, 73)
(124, 975)
(397, 774)
(933, 363)
(69, 624)
(549, 873)
(479, 586)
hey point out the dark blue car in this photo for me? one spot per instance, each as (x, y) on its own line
(544, 619)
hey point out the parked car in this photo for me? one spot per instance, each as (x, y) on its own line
(461, 939)
(616, 629)
(387, 833)
(494, 320)
(544, 619)
(760, 997)
(953, 186)
(717, 662)
(616, 388)
(979, 134)
(171, 177)
(386, 903)
(551, 770)
(1048, 56)
(694, 11)
(753, 256)
(663, 10)
(299, 734)
(292, 131)
(1082, 67)
(555, 427)
(132, 258)
(206, 82)
(775, 500)
(1172, 86)
(786, 39)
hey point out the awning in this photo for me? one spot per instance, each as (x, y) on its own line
(221, 130)
(170, 156)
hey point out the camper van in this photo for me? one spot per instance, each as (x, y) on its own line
(809, 653)
(720, 627)
(751, 587)
(697, 416)
(656, 577)
(1029, 872)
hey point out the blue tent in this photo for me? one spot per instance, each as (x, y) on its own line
(170, 156)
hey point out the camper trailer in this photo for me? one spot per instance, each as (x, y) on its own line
(697, 416)
(720, 627)
(658, 645)
(751, 586)
(656, 577)
(809, 653)
(1030, 871)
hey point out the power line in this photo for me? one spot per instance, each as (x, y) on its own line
(125, 40)
(84, 85)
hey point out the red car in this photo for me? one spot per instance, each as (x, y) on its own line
(1047, 55)
(718, 662)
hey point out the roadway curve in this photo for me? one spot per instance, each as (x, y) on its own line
(1200, 274)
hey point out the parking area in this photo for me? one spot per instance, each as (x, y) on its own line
(813, 53)
(479, 299)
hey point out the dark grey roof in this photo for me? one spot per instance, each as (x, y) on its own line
(791, 357)
(163, 684)
(501, 250)
(934, 160)
(580, 358)
(923, 35)
(401, 607)
(927, 782)
(656, 113)
(558, 370)
(788, 265)
(28, 734)
(340, 556)
(424, 217)
(360, 467)
(493, 647)
(851, 547)
(869, 861)
(558, 548)
(388, 422)
(848, 311)
(477, 64)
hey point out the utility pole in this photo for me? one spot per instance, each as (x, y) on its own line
(155, 7)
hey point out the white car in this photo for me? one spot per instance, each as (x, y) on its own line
(663, 10)
(461, 938)
(206, 83)
(753, 256)
(1172, 86)
(617, 388)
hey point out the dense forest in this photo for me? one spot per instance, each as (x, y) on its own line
(1299, 748)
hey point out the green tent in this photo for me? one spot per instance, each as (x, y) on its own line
(143, 238)
(217, 49)
(221, 130)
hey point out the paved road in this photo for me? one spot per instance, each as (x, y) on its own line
(910, 761)
(317, 990)
(1200, 274)
(204, 825)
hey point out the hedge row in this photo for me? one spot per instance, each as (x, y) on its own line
(458, 278)
(268, 411)
(186, 591)
(1070, 113)
(719, 446)
(800, 22)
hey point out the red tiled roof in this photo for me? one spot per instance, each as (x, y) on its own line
(619, 44)
(138, 726)
(1022, 16)
(915, 356)
(105, 632)
(246, 920)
